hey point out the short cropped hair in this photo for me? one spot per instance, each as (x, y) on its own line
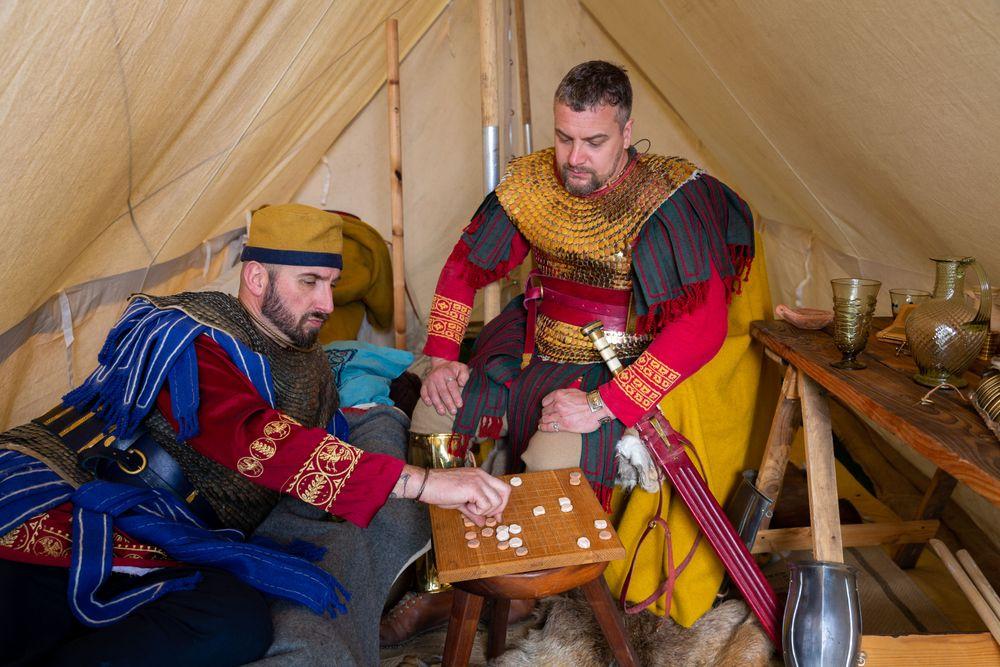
(596, 83)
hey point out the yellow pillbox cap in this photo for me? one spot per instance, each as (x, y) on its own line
(297, 235)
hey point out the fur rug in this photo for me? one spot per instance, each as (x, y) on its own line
(563, 632)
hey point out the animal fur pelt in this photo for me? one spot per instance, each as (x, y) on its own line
(564, 633)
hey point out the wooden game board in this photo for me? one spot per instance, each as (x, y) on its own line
(550, 538)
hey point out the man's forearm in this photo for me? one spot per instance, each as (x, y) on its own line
(411, 482)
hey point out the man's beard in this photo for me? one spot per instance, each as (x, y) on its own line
(580, 190)
(285, 322)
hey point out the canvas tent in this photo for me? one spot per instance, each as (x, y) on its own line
(138, 135)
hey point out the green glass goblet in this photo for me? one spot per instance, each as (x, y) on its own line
(853, 307)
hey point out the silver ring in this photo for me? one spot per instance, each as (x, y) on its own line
(555, 426)
(450, 380)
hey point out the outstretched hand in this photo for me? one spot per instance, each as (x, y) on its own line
(442, 388)
(472, 491)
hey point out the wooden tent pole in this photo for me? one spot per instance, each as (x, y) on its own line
(491, 126)
(396, 183)
(522, 72)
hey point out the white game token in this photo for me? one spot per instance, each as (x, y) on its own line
(503, 535)
(473, 544)
(565, 501)
(600, 524)
(470, 535)
(515, 481)
(574, 481)
(575, 474)
(467, 523)
(490, 521)
(604, 534)
(487, 532)
(538, 510)
(521, 551)
(502, 545)
(516, 542)
(502, 526)
(583, 543)
(566, 508)
(515, 528)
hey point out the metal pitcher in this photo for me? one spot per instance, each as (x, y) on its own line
(822, 625)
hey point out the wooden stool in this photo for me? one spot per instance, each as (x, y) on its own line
(468, 603)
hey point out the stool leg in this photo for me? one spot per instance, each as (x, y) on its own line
(610, 621)
(465, 609)
(498, 628)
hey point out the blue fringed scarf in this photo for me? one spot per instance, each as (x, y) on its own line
(28, 488)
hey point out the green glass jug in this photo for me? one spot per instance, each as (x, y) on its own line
(945, 334)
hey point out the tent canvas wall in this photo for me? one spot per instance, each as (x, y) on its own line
(138, 135)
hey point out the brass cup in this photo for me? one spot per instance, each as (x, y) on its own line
(853, 307)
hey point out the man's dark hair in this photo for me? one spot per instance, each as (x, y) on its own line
(596, 83)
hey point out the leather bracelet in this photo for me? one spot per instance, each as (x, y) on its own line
(427, 473)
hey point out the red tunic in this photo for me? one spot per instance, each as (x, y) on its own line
(239, 430)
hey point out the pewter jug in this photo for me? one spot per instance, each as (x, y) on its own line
(945, 334)
(822, 626)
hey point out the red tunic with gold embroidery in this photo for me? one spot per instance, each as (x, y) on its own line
(239, 430)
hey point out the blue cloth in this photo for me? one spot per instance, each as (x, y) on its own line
(146, 347)
(28, 488)
(364, 371)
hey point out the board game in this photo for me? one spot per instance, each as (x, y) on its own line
(547, 540)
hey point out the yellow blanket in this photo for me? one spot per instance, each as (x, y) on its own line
(714, 409)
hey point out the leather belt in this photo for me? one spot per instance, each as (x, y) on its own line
(573, 303)
(139, 461)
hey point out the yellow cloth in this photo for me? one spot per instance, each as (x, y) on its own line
(714, 409)
(365, 285)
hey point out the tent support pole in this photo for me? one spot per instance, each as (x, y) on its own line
(491, 127)
(396, 183)
(522, 72)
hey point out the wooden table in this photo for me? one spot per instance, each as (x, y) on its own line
(948, 432)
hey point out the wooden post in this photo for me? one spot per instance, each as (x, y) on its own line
(522, 72)
(967, 586)
(491, 126)
(821, 473)
(786, 421)
(396, 183)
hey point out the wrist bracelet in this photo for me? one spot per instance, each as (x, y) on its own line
(427, 473)
(594, 401)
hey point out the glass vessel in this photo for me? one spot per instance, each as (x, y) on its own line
(899, 296)
(945, 334)
(853, 307)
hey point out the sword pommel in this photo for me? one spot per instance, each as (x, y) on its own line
(595, 332)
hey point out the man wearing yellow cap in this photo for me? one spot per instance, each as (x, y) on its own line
(131, 499)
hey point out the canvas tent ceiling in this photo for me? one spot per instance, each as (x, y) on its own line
(135, 132)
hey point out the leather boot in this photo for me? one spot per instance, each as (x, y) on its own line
(417, 613)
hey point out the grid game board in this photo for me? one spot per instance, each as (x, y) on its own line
(551, 539)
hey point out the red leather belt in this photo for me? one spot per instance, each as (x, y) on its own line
(573, 303)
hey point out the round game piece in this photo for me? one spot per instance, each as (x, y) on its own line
(487, 532)
(490, 521)
(502, 546)
(473, 544)
(467, 523)
(516, 481)
(521, 551)
(503, 535)
(576, 474)
(470, 535)
(566, 508)
(516, 542)
(574, 481)
(515, 529)
(600, 524)
(538, 510)
(565, 501)
(604, 534)
(502, 526)
(583, 543)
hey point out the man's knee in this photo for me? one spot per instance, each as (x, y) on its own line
(426, 419)
(552, 451)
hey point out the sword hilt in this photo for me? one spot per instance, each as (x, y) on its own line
(595, 332)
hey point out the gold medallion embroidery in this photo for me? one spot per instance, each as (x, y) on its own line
(277, 430)
(263, 448)
(324, 473)
(249, 467)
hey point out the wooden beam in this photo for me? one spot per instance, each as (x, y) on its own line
(491, 126)
(852, 535)
(975, 598)
(821, 473)
(931, 506)
(957, 650)
(784, 425)
(396, 184)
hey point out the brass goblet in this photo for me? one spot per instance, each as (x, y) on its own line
(853, 307)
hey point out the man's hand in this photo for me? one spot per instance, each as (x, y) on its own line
(567, 410)
(442, 388)
(472, 491)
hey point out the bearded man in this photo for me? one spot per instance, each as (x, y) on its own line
(123, 509)
(651, 246)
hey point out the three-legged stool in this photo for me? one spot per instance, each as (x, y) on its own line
(469, 597)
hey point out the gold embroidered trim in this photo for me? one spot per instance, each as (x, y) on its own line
(38, 537)
(324, 473)
(646, 381)
(448, 318)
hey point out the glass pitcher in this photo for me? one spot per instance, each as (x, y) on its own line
(945, 334)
